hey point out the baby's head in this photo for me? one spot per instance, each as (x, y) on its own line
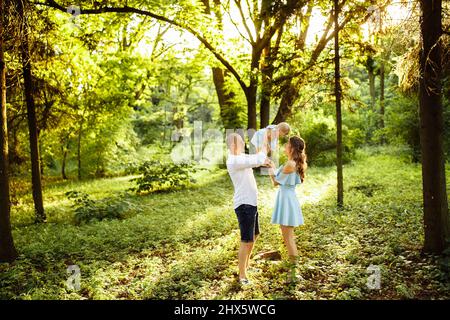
(283, 129)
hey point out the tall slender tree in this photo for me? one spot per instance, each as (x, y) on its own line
(436, 215)
(338, 94)
(7, 250)
(383, 58)
(22, 5)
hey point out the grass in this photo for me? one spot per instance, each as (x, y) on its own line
(182, 245)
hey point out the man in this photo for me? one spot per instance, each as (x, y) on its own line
(239, 167)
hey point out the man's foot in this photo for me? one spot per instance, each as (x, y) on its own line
(253, 270)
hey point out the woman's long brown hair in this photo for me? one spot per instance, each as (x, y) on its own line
(298, 147)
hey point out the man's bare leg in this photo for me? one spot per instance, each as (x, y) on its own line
(247, 263)
(244, 252)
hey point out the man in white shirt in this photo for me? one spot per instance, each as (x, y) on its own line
(245, 198)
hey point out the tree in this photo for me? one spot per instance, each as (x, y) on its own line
(229, 110)
(338, 94)
(7, 250)
(436, 219)
(259, 38)
(22, 5)
(291, 84)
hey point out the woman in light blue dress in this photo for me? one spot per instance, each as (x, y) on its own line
(287, 211)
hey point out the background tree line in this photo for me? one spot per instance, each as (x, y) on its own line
(98, 94)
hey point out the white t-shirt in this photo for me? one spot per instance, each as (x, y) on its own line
(241, 174)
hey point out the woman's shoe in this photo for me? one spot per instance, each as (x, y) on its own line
(294, 278)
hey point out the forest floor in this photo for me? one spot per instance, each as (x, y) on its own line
(183, 244)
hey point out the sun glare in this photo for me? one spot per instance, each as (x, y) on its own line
(234, 28)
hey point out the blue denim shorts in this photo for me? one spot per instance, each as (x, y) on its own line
(248, 219)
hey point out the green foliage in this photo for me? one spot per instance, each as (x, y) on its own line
(402, 124)
(319, 132)
(121, 84)
(88, 210)
(189, 251)
(158, 176)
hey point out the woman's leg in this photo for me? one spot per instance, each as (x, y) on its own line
(288, 236)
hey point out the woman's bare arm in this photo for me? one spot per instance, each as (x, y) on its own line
(289, 167)
(272, 174)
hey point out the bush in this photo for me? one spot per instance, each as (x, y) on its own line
(320, 138)
(403, 124)
(159, 177)
(87, 210)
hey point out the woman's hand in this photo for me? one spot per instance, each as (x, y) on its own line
(269, 163)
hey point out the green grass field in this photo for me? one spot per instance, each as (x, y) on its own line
(183, 245)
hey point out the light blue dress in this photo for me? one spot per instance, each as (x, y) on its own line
(287, 210)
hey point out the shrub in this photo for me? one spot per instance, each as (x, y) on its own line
(87, 210)
(320, 138)
(159, 177)
(403, 124)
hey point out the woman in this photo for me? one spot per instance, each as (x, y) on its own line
(287, 212)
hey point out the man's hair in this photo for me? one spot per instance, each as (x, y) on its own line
(232, 138)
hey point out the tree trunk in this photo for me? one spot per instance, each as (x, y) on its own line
(7, 250)
(252, 89)
(371, 75)
(266, 73)
(337, 93)
(287, 99)
(436, 219)
(382, 78)
(80, 133)
(65, 149)
(267, 69)
(31, 116)
(225, 96)
(250, 94)
(266, 88)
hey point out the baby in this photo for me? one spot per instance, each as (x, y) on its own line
(270, 135)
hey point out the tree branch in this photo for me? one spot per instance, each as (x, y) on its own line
(250, 41)
(244, 22)
(127, 9)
